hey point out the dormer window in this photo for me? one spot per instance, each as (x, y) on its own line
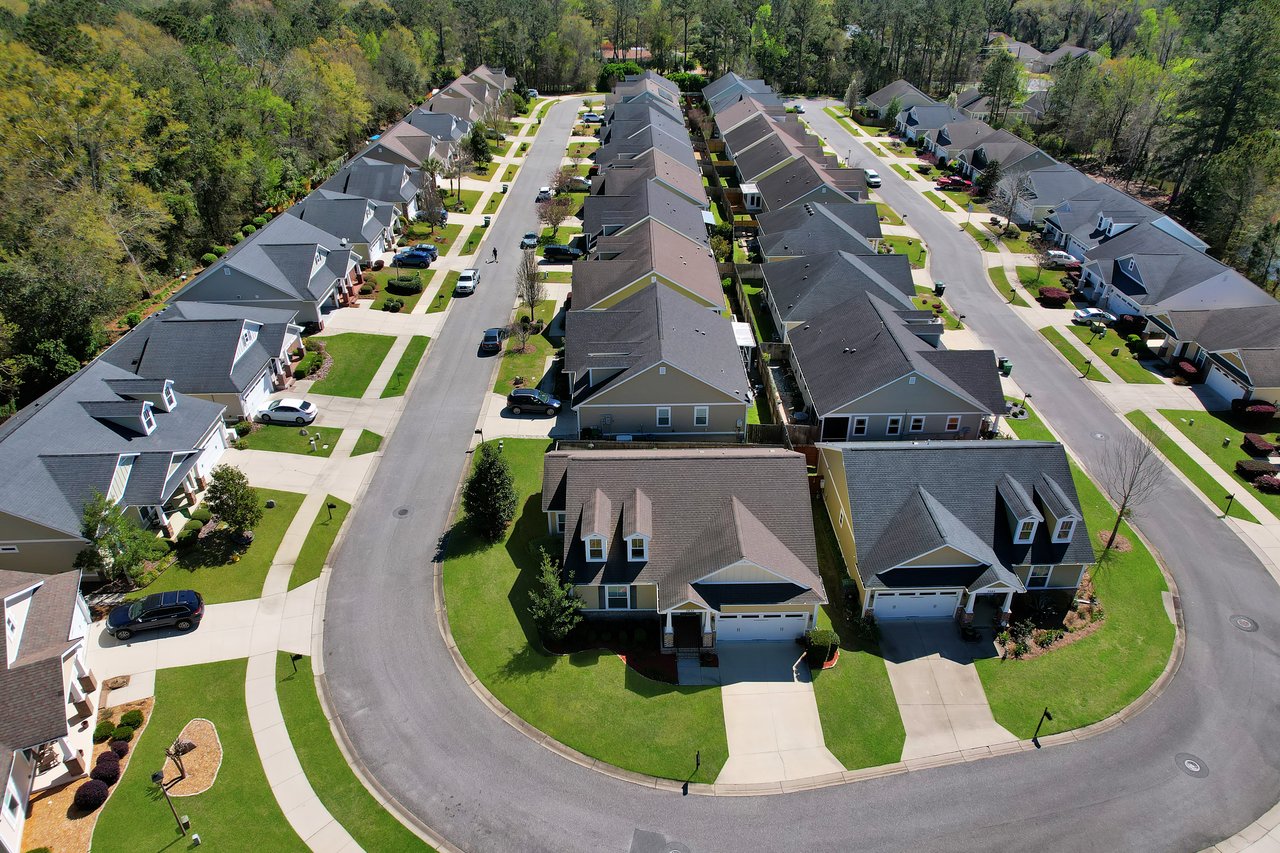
(148, 420)
(595, 549)
(1026, 531)
(170, 401)
(637, 549)
(1066, 527)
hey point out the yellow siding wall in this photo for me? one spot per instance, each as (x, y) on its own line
(835, 493)
(943, 557)
(590, 596)
(646, 597)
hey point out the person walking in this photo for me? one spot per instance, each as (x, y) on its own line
(495, 254)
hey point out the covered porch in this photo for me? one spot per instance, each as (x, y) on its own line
(989, 605)
(688, 628)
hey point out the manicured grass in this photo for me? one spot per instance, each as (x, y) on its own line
(281, 438)
(491, 206)
(421, 232)
(901, 170)
(875, 150)
(1030, 428)
(1018, 245)
(356, 357)
(1126, 366)
(467, 198)
(925, 300)
(590, 701)
(441, 300)
(761, 318)
(473, 241)
(1001, 281)
(1071, 354)
(1179, 458)
(238, 813)
(938, 202)
(346, 798)
(1093, 678)
(860, 721)
(385, 276)
(509, 174)
(912, 247)
(500, 149)
(1033, 279)
(558, 276)
(405, 367)
(890, 215)
(848, 125)
(962, 200)
(206, 565)
(368, 442)
(563, 237)
(759, 412)
(315, 550)
(984, 239)
(1209, 432)
(581, 149)
(528, 364)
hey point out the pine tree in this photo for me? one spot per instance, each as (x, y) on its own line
(552, 605)
(232, 499)
(489, 497)
(988, 180)
(853, 93)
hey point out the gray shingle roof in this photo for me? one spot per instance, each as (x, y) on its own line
(798, 179)
(375, 179)
(641, 201)
(898, 89)
(1226, 328)
(358, 219)
(807, 287)
(640, 141)
(449, 128)
(929, 116)
(1077, 215)
(652, 165)
(1052, 184)
(839, 219)
(645, 252)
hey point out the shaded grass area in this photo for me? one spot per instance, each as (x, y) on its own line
(238, 813)
(1030, 428)
(890, 215)
(495, 199)
(1124, 363)
(962, 200)
(1219, 435)
(315, 550)
(938, 202)
(368, 442)
(1071, 354)
(441, 300)
(1001, 280)
(206, 565)
(405, 368)
(985, 241)
(1180, 459)
(910, 246)
(356, 357)
(1099, 675)
(758, 308)
(590, 701)
(279, 438)
(530, 363)
(1033, 279)
(509, 173)
(562, 236)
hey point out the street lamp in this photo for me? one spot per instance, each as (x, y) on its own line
(1088, 365)
(1035, 738)
(1230, 499)
(1025, 397)
(158, 778)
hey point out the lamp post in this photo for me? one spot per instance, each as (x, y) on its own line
(158, 778)
(1230, 500)
(1088, 365)
(1025, 397)
(1035, 738)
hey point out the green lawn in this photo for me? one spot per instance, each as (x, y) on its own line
(385, 276)
(561, 237)
(421, 232)
(346, 798)
(319, 540)
(901, 170)
(445, 293)
(860, 720)
(529, 364)
(278, 438)
(1018, 245)
(590, 701)
(206, 566)
(356, 357)
(491, 206)
(1179, 458)
(1001, 281)
(984, 238)
(875, 150)
(558, 276)
(938, 202)
(368, 442)
(912, 247)
(759, 411)
(1031, 427)
(581, 149)
(1071, 354)
(467, 198)
(405, 367)
(924, 299)
(1126, 366)
(510, 173)
(1033, 278)
(962, 200)
(890, 215)
(1209, 432)
(238, 813)
(1093, 678)
(761, 318)
(473, 240)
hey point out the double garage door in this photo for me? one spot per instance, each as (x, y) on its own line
(739, 627)
(916, 605)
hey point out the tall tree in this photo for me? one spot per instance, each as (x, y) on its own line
(1004, 83)
(489, 495)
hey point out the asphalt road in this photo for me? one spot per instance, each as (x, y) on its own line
(421, 732)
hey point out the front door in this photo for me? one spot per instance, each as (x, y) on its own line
(687, 628)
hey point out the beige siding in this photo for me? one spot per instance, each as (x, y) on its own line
(942, 557)
(901, 396)
(634, 288)
(590, 596)
(672, 387)
(646, 597)
(40, 549)
(642, 420)
(1065, 576)
(688, 605)
(742, 572)
(835, 495)
(632, 406)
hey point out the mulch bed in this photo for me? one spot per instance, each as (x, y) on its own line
(201, 764)
(1078, 623)
(1122, 545)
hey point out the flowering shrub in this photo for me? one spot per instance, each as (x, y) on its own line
(1269, 484)
(1256, 445)
(1053, 297)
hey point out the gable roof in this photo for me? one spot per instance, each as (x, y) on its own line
(1078, 215)
(651, 165)
(908, 94)
(625, 146)
(960, 136)
(376, 179)
(807, 287)
(1051, 184)
(1218, 329)
(647, 251)
(922, 117)
(354, 218)
(801, 179)
(648, 200)
(444, 126)
(815, 227)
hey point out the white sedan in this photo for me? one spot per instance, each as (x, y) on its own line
(1085, 316)
(287, 409)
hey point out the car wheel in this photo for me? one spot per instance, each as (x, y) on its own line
(515, 410)
(550, 410)
(299, 420)
(183, 625)
(123, 634)
(265, 418)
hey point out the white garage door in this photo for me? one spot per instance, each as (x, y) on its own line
(258, 396)
(916, 605)
(738, 627)
(1222, 384)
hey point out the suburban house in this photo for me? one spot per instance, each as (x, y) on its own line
(1238, 348)
(723, 93)
(368, 226)
(656, 364)
(233, 355)
(810, 229)
(878, 102)
(641, 110)
(447, 128)
(636, 142)
(803, 181)
(48, 694)
(1044, 188)
(630, 118)
(914, 122)
(645, 90)
(867, 371)
(640, 203)
(405, 144)
(459, 105)
(653, 165)
(650, 253)
(746, 110)
(949, 141)
(798, 290)
(716, 544)
(1079, 223)
(1014, 154)
(934, 530)
(137, 441)
(496, 77)
(394, 183)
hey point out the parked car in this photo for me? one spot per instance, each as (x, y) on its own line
(467, 281)
(873, 178)
(181, 609)
(951, 182)
(532, 400)
(561, 254)
(593, 118)
(1085, 316)
(1059, 257)
(531, 93)
(492, 340)
(799, 108)
(529, 240)
(289, 410)
(414, 257)
(544, 194)
(579, 184)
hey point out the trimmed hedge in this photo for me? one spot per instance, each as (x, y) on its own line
(1256, 445)
(91, 795)
(133, 719)
(1187, 371)
(820, 645)
(208, 258)
(124, 733)
(120, 747)
(108, 757)
(1053, 297)
(1269, 484)
(102, 731)
(392, 304)
(108, 773)
(1252, 469)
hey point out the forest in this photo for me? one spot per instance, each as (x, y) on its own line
(142, 133)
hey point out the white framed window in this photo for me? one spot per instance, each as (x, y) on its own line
(953, 423)
(148, 421)
(917, 423)
(1026, 530)
(664, 416)
(662, 371)
(559, 522)
(637, 548)
(12, 804)
(859, 426)
(894, 427)
(617, 597)
(169, 399)
(701, 415)
(1066, 527)
(1039, 577)
(595, 549)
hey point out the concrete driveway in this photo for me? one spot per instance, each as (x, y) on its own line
(940, 697)
(770, 715)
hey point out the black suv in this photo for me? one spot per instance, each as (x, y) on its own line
(182, 609)
(530, 400)
(561, 253)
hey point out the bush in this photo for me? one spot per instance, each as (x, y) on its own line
(108, 774)
(219, 250)
(1020, 648)
(1270, 484)
(91, 795)
(405, 288)
(259, 221)
(187, 538)
(237, 238)
(1256, 445)
(133, 719)
(864, 628)
(393, 305)
(821, 645)
(366, 288)
(1262, 411)
(120, 747)
(1047, 638)
(1021, 630)
(1053, 297)
(132, 319)
(1187, 371)
(107, 757)
(208, 258)
(192, 526)
(248, 229)
(102, 732)
(124, 733)
(242, 428)
(1252, 469)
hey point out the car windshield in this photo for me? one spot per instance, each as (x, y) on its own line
(135, 610)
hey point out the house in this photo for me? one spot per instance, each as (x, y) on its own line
(632, 122)
(645, 90)
(866, 372)
(1014, 154)
(642, 110)
(368, 226)
(639, 142)
(461, 105)
(723, 93)
(878, 102)
(1045, 188)
(716, 545)
(1237, 348)
(650, 253)
(233, 355)
(1068, 51)
(802, 289)
(812, 229)
(394, 183)
(407, 145)
(933, 529)
(656, 364)
(949, 141)
(803, 182)
(494, 76)
(653, 165)
(1081, 222)
(642, 202)
(914, 122)
(1029, 56)
(137, 441)
(48, 693)
(447, 128)
(745, 110)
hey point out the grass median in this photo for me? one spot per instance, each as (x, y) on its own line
(1001, 281)
(1180, 459)
(320, 539)
(406, 367)
(1071, 354)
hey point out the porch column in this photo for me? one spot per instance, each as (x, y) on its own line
(1007, 611)
(967, 616)
(708, 635)
(668, 635)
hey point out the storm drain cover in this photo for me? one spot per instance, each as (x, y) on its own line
(1100, 436)
(401, 512)
(1191, 765)
(1244, 623)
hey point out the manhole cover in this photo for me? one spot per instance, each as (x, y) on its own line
(1191, 765)
(1244, 623)
(1100, 436)
(402, 512)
